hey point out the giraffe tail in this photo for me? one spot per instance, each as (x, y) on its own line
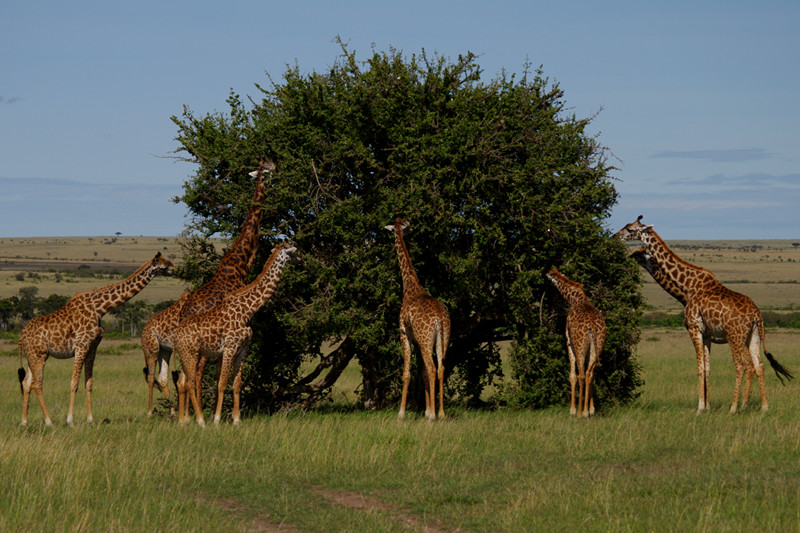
(779, 369)
(21, 370)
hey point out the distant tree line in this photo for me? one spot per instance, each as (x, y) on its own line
(129, 317)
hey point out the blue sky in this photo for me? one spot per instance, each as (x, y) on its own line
(699, 100)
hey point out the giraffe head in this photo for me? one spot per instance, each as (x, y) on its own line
(398, 223)
(286, 251)
(645, 259)
(161, 266)
(634, 230)
(264, 165)
(555, 277)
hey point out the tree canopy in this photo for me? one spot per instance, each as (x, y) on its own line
(499, 183)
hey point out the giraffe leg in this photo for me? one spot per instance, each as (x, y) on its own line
(406, 345)
(225, 364)
(149, 371)
(163, 377)
(189, 352)
(702, 376)
(758, 367)
(73, 388)
(582, 393)
(149, 347)
(33, 382)
(589, 406)
(183, 409)
(198, 381)
(430, 381)
(237, 389)
(238, 364)
(190, 371)
(442, 339)
(737, 361)
(88, 371)
(580, 363)
(573, 376)
(749, 372)
(440, 375)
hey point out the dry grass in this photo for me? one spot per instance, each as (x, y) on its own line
(651, 466)
(49, 264)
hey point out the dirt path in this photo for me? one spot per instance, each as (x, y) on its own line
(351, 500)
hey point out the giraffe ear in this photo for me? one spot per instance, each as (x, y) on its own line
(253, 174)
(390, 227)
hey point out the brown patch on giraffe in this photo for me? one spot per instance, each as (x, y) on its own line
(361, 502)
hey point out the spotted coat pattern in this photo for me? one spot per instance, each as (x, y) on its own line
(231, 274)
(586, 337)
(75, 331)
(713, 313)
(224, 333)
(423, 320)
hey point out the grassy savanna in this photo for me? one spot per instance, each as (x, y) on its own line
(653, 465)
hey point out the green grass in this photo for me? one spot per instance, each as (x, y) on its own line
(651, 466)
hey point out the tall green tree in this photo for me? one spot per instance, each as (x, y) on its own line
(498, 182)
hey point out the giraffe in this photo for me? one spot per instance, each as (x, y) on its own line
(712, 313)
(586, 335)
(648, 262)
(75, 331)
(231, 274)
(157, 346)
(424, 320)
(223, 333)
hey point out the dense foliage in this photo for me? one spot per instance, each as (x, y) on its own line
(498, 183)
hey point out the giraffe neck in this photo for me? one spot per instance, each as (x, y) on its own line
(107, 298)
(648, 263)
(411, 284)
(238, 260)
(686, 276)
(570, 290)
(234, 267)
(248, 300)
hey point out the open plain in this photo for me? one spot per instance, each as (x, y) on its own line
(653, 465)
